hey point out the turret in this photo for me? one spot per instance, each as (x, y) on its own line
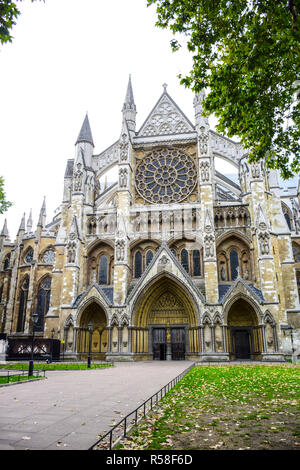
(84, 142)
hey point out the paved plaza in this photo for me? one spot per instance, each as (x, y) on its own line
(69, 409)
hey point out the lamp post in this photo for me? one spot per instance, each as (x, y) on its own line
(52, 336)
(90, 326)
(35, 318)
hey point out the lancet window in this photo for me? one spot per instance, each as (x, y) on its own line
(103, 277)
(43, 302)
(22, 304)
(138, 264)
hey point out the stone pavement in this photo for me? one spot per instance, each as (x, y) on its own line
(69, 409)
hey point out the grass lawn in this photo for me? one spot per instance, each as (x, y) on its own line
(225, 407)
(15, 378)
(53, 366)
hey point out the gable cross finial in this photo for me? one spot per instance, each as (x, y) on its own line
(165, 87)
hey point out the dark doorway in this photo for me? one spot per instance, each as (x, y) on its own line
(159, 344)
(178, 344)
(242, 344)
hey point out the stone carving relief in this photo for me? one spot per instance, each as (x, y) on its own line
(264, 243)
(120, 250)
(78, 178)
(71, 248)
(203, 140)
(209, 243)
(124, 145)
(204, 171)
(165, 119)
(165, 176)
(296, 218)
(163, 261)
(257, 169)
(123, 177)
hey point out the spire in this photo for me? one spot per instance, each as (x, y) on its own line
(43, 209)
(22, 224)
(5, 230)
(129, 100)
(85, 134)
(129, 108)
(29, 222)
(42, 216)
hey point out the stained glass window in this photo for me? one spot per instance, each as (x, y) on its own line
(149, 257)
(196, 263)
(6, 262)
(43, 302)
(22, 305)
(103, 270)
(296, 253)
(29, 256)
(185, 260)
(234, 264)
(138, 264)
(288, 220)
(166, 176)
(48, 256)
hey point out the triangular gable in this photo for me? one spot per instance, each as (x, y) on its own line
(164, 260)
(236, 288)
(166, 118)
(92, 291)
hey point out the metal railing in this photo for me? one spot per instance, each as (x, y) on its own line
(123, 427)
(10, 373)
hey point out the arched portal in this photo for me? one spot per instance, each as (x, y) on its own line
(165, 322)
(97, 339)
(244, 332)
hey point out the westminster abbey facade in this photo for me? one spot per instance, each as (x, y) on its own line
(174, 260)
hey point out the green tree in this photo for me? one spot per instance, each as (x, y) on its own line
(246, 54)
(4, 205)
(8, 14)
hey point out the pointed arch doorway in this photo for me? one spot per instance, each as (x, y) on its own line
(244, 332)
(165, 323)
(98, 339)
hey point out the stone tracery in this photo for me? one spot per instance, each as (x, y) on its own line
(165, 176)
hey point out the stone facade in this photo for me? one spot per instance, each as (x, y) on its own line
(172, 261)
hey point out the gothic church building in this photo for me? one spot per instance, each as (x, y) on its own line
(172, 261)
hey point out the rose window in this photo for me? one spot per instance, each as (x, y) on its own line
(166, 176)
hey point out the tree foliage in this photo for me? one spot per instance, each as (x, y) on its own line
(8, 14)
(246, 53)
(4, 205)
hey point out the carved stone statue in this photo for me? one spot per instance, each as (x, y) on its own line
(264, 243)
(120, 250)
(123, 177)
(209, 246)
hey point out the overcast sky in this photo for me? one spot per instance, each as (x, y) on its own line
(69, 57)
